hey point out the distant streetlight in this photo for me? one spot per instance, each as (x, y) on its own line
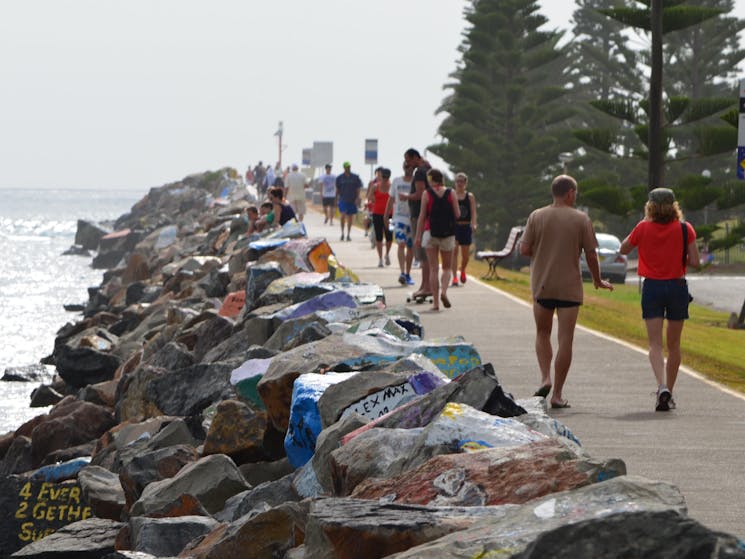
(707, 175)
(278, 133)
(565, 158)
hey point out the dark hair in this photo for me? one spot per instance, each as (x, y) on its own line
(435, 176)
(252, 209)
(562, 185)
(277, 192)
(411, 152)
(267, 205)
(385, 172)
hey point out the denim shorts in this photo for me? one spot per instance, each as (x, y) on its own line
(665, 299)
(463, 234)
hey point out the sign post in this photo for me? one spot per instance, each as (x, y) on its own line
(371, 154)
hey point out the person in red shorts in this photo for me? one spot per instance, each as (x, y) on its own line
(666, 245)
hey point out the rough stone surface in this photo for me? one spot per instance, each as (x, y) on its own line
(264, 536)
(359, 529)
(491, 477)
(237, 431)
(212, 480)
(658, 534)
(103, 491)
(167, 536)
(526, 522)
(86, 539)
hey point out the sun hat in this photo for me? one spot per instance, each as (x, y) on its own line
(662, 196)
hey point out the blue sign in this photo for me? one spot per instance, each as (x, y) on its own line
(371, 152)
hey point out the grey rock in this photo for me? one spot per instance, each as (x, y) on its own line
(212, 480)
(18, 458)
(188, 391)
(27, 373)
(167, 536)
(259, 499)
(44, 395)
(256, 473)
(653, 534)
(88, 234)
(103, 491)
(87, 539)
(328, 441)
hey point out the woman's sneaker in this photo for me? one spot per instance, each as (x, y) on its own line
(455, 282)
(409, 281)
(402, 279)
(462, 277)
(663, 399)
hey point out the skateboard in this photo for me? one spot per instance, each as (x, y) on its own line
(419, 299)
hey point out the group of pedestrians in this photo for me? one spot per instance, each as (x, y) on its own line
(554, 237)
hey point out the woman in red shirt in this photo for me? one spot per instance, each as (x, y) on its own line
(666, 244)
(378, 195)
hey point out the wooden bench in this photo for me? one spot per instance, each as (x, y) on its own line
(494, 257)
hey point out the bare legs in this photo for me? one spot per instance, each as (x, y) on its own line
(465, 255)
(329, 211)
(664, 373)
(567, 319)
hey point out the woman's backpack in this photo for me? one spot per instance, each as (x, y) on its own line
(441, 216)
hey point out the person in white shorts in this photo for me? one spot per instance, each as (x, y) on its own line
(401, 222)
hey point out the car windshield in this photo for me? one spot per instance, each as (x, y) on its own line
(609, 242)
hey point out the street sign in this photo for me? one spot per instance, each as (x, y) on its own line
(306, 156)
(371, 151)
(323, 154)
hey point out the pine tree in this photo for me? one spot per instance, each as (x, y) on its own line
(503, 110)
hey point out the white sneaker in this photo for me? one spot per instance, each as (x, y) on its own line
(387, 260)
(380, 263)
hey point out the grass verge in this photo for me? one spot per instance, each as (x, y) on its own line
(708, 346)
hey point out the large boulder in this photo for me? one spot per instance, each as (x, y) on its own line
(86, 539)
(525, 523)
(88, 234)
(166, 537)
(237, 431)
(212, 480)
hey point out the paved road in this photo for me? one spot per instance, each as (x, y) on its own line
(700, 447)
(720, 292)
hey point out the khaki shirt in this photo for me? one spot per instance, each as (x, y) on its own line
(557, 235)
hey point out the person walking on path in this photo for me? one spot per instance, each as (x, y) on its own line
(296, 191)
(554, 237)
(348, 187)
(328, 194)
(464, 227)
(666, 245)
(418, 185)
(378, 196)
(283, 212)
(436, 233)
(399, 210)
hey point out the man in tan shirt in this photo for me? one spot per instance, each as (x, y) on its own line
(553, 239)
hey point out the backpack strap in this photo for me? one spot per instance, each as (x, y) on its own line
(685, 242)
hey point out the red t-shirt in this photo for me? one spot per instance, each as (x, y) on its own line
(381, 201)
(660, 247)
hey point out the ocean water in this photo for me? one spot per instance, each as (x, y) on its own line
(36, 280)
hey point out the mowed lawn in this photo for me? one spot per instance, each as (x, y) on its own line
(708, 346)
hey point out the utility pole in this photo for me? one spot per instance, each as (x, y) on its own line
(656, 175)
(278, 133)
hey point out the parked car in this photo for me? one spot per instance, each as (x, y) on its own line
(613, 264)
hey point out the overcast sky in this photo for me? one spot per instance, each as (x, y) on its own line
(135, 94)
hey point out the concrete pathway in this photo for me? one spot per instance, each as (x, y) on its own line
(700, 447)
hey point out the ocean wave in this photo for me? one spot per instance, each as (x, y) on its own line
(36, 229)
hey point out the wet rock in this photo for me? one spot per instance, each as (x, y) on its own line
(43, 396)
(212, 480)
(86, 539)
(167, 536)
(89, 234)
(27, 373)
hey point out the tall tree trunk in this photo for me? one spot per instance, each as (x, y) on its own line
(656, 154)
